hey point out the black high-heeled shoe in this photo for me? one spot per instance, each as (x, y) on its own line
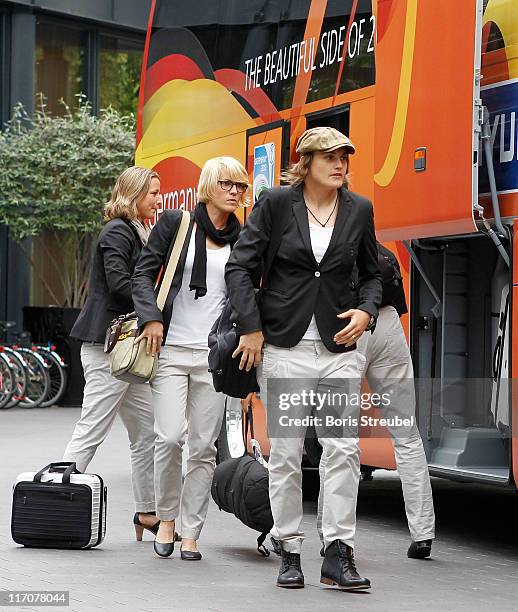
(139, 527)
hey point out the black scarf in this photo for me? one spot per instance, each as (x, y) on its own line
(204, 228)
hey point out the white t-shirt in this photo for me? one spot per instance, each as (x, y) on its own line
(320, 239)
(192, 319)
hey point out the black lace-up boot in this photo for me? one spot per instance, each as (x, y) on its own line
(339, 569)
(420, 550)
(290, 574)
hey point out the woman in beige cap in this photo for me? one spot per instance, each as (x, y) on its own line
(304, 329)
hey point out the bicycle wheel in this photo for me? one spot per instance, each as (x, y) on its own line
(20, 376)
(38, 381)
(7, 382)
(57, 374)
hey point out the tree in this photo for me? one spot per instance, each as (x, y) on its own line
(57, 173)
(120, 79)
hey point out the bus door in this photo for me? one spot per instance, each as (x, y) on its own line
(267, 153)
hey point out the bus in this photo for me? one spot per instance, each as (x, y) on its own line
(427, 90)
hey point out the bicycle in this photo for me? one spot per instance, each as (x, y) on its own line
(7, 381)
(56, 372)
(33, 381)
(19, 369)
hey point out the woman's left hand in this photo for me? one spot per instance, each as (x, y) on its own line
(357, 325)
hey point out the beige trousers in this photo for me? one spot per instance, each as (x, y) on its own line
(309, 364)
(186, 408)
(105, 397)
(387, 360)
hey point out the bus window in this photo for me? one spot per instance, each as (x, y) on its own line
(348, 58)
(337, 117)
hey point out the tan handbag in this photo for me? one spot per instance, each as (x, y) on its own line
(129, 361)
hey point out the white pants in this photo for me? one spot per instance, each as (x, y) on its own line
(387, 361)
(185, 407)
(104, 397)
(311, 361)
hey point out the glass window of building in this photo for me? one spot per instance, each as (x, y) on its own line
(60, 65)
(119, 73)
(5, 53)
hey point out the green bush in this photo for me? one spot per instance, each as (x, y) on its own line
(56, 174)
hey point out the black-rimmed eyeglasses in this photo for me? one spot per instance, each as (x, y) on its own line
(227, 186)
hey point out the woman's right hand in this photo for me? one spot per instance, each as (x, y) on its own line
(153, 331)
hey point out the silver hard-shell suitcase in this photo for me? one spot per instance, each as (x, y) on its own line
(59, 507)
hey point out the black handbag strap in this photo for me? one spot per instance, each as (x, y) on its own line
(261, 548)
(225, 313)
(249, 425)
(66, 467)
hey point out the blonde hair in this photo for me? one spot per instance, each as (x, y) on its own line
(211, 174)
(296, 173)
(131, 186)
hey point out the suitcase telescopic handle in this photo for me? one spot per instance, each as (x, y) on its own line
(67, 467)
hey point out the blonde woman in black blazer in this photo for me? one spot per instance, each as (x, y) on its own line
(307, 322)
(135, 198)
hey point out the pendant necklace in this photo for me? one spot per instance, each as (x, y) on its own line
(327, 220)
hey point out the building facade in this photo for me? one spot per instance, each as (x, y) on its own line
(62, 48)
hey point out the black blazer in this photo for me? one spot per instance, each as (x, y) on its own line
(297, 286)
(154, 256)
(109, 294)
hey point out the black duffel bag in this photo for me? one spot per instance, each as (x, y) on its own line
(240, 486)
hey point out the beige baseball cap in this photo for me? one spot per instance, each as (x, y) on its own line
(323, 139)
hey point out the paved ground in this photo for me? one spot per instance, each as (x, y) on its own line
(474, 565)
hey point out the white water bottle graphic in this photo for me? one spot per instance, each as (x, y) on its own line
(264, 168)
